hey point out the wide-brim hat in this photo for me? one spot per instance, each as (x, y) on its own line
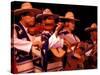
(27, 7)
(47, 13)
(69, 16)
(93, 27)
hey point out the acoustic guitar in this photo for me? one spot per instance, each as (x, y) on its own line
(58, 52)
(75, 57)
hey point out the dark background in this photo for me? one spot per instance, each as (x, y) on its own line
(86, 14)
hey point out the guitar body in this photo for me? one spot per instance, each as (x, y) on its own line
(75, 60)
(58, 52)
(91, 60)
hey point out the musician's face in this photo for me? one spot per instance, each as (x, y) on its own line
(29, 20)
(50, 21)
(70, 25)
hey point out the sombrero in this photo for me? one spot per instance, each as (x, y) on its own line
(93, 27)
(46, 13)
(69, 16)
(27, 7)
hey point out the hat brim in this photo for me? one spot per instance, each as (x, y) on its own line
(66, 19)
(33, 10)
(89, 29)
(42, 16)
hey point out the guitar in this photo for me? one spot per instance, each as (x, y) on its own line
(58, 52)
(75, 57)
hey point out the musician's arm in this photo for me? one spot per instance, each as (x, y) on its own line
(21, 44)
(56, 45)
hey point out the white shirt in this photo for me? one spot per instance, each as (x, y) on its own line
(72, 39)
(55, 42)
(21, 44)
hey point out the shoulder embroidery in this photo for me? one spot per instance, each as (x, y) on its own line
(18, 29)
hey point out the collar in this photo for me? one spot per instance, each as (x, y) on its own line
(24, 26)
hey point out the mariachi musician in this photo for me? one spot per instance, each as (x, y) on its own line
(46, 25)
(72, 42)
(91, 47)
(22, 45)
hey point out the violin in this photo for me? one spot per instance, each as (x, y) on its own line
(38, 29)
(35, 30)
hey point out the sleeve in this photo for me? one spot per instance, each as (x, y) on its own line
(20, 44)
(77, 39)
(55, 42)
(52, 40)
